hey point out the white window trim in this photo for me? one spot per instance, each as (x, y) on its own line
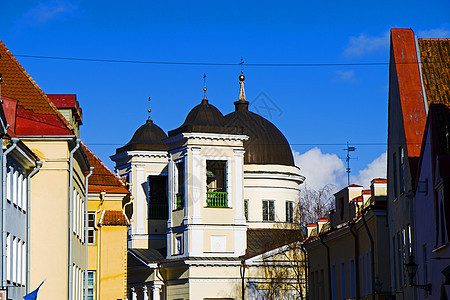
(229, 178)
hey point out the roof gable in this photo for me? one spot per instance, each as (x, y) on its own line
(405, 63)
(101, 176)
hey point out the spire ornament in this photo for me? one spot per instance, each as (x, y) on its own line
(241, 82)
(149, 110)
(204, 86)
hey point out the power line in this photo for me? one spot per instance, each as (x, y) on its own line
(212, 63)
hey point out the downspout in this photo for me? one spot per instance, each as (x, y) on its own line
(14, 145)
(329, 265)
(86, 230)
(38, 167)
(355, 238)
(242, 271)
(71, 217)
(98, 242)
(372, 255)
(302, 247)
(160, 276)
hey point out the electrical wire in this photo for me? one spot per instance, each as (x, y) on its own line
(213, 63)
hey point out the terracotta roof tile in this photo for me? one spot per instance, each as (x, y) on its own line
(101, 176)
(435, 57)
(17, 84)
(113, 218)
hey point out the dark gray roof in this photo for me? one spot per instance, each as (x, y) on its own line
(263, 240)
(266, 144)
(149, 255)
(148, 137)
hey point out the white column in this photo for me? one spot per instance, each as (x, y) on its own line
(139, 211)
(196, 184)
(157, 285)
(239, 217)
(133, 294)
(145, 291)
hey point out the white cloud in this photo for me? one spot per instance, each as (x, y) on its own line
(345, 75)
(363, 45)
(434, 33)
(46, 11)
(320, 168)
(376, 169)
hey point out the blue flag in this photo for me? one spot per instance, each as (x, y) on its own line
(33, 294)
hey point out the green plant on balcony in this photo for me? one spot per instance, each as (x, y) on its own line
(216, 199)
(180, 201)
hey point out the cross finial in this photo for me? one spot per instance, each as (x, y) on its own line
(204, 86)
(149, 109)
(242, 65)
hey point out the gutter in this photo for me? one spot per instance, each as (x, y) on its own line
(355, 237)
(14, 145)
(372, 255)
(38, 167)
(329, 265)
(86, 231)
(78, 141)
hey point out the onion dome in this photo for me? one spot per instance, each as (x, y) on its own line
(266, 144)
(205, 118)
(148, 137)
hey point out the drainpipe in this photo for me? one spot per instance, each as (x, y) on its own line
(329, 265)
(71, 217)
(355, 238)
(371, 254)
(38, 167)
(86, 230)
(242, 271)
(302, 247)
(14, 145)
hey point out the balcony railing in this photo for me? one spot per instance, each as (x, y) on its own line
(157, 211)
(216, 199)
(180, 201)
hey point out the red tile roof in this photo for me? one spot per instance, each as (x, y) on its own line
(405, 64)
(113, 218)
(102, 179)
(435, 58)
(379, 180)
(67, 101)
(366, 192)
(36, 114)
(322, 220)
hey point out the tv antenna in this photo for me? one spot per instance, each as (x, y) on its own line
(347, 159)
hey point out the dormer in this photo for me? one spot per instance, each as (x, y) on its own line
(68, 106)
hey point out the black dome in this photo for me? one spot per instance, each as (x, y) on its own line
(204, 117)
(148, 137)
(266, 144)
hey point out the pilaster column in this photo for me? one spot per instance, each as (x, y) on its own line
(196, 184)
(145, 292)
(139, 212)
(239, 217)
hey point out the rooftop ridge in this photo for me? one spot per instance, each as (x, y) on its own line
(35, 85)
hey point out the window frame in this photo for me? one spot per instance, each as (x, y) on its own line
(91, 229)
(268, 210)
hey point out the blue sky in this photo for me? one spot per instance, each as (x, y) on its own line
(318, 108)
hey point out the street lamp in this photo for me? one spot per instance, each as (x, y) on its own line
(378, 285)
(411, 269)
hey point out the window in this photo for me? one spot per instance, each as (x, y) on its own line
(8, 256)
(289, 212)
(394, 165)
(268, 210)
(216, 183)
(333, 282)
(157, 197)
(180, 188)
(402, 169)
(246, 209)
(91, 285)
(343, 292)
(394, 255)
(91, 229)
(352, 279)
(399, 260)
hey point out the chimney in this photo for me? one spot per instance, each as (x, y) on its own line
(320, 223)
(312, 229)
